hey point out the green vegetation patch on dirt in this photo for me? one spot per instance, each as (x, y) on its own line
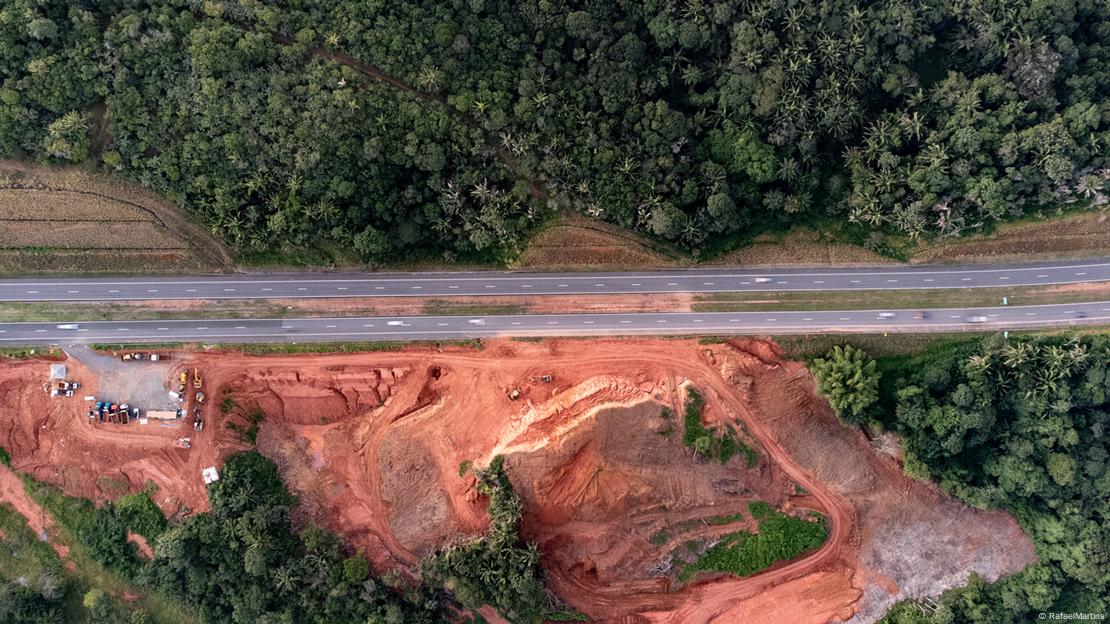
(780, 538)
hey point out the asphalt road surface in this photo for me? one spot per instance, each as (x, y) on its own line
(462, 327)
(324, 285)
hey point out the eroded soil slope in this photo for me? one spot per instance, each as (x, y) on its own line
(376, 445)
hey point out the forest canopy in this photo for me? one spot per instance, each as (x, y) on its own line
(1019, 424)
(456, 126)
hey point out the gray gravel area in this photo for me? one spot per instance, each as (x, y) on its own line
(143, 384)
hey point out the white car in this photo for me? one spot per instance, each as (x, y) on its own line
(762, 280)
(975, 319)
(886, 315)
(477, 321)
(396, 323)
(68, 326)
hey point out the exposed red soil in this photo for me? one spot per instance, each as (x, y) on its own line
(372, 444)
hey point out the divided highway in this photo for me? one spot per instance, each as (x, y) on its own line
(462, 327)
(327, 285)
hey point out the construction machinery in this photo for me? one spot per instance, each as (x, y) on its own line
(200, 397)
(60, 387)
(196, 378)
(184, 379)
(182, 443)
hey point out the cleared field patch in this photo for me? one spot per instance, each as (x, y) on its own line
(575, 241)
(17, 204)
(124, 236)
(66, 220)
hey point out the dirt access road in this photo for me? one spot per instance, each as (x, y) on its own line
(372, 444)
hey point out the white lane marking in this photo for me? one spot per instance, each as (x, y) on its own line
(553, 322)
(954, 316)
(818, 281)
(38, 331)
(709, 283)
(152, 290)
(695, 320)
(239, 327)
(1081, 273)
(635, 284)
(781, 282)
(734, 320)
(368, 325)
(1070, 312)
(929, 279)
(770, 320)
(453, 287)
(855, 281)
(517, 323)
(672, 283)
(229, 290)
(625, 322)
(123, 329)
(417, 287)
(522, 286)
(341, 288)
(965, 279)
(490, 286)
(379, 288)
(329, 326)
(73, 292)
(302, 288)
(891, 281)
(599, 285)
(186, 290)
(591, 322)
(113, 291)
(32, 292)
(1030, 314)
(1042, 275)
(3, 331)
(745, 282)
(661, 321)
(267, 289)
(845, 318)
(441, 324)
(562, 285)
(205, 328)
(1003, 277)
(163, 329)
(807, 319)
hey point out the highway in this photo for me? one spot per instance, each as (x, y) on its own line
(463, 327)
(470, 284)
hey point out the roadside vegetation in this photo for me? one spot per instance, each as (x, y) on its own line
(848, 378)
(1017, 424)
(313, 132)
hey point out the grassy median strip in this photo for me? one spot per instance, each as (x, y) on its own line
(892, 299)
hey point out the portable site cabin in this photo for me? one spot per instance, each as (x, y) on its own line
(210, 475)
(161, 414)
(57, 371)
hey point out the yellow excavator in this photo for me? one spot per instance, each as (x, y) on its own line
(196, 378)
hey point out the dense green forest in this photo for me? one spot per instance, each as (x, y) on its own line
(456, 126)
(247, 562)
(1021, 424)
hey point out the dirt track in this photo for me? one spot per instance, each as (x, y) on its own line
(372, 444)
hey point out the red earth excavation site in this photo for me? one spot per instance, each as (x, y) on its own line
(372, 444)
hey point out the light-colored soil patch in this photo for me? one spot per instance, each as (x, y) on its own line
(1074, 236)
(67, 220)
(801, 246)
(577, 242)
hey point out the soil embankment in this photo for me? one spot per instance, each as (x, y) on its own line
(376, 447)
